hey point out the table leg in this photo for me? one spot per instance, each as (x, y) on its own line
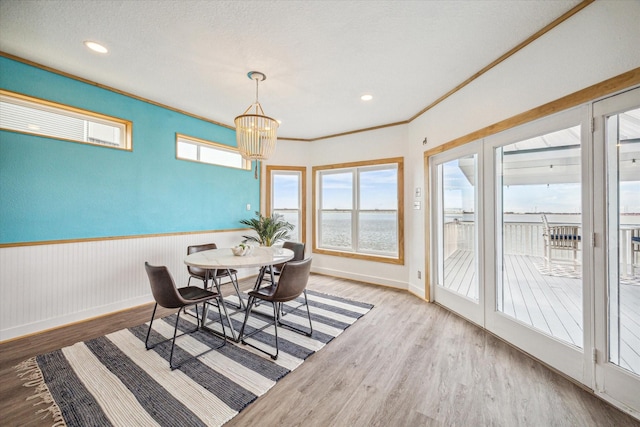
(224, 308)
(260, 278)
(205, 306)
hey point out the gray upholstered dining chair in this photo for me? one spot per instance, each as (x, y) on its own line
(167, 295)
(201, 274)
(291, 284)
(298, 255)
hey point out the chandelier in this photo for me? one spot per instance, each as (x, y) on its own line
(256, 133)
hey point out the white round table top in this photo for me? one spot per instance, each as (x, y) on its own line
(223, 258)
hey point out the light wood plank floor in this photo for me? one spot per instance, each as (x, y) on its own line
(551, 299)
(406, 363)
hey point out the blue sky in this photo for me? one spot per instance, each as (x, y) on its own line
(285, 188)
(558, 198)
(378, 190)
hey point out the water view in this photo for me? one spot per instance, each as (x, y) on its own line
(377, 232)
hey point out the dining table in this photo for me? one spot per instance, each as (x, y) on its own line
(261, 257)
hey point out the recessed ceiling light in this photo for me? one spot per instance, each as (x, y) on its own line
(96, 47)
(366, 97)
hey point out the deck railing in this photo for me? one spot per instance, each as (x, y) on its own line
(525, 238)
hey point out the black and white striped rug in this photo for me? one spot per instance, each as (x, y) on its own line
(113, 380)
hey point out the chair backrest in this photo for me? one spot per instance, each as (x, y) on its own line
(293, 280)
(297, 248)
(197, 271)
(163, 287)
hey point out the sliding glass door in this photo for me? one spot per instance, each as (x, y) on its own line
(539, 233)
(536, 237)
(509, 245)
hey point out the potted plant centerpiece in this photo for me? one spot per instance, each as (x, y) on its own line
(269, 229)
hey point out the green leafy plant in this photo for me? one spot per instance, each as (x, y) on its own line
(270, 229)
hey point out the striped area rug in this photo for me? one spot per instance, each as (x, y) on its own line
(113, 380)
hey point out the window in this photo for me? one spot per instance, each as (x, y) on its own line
(199, 150)
(286, 188)
(358, 210)
(24, 114)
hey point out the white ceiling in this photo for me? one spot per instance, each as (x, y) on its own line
(319, 56)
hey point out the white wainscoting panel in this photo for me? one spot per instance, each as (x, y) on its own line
(46, 286)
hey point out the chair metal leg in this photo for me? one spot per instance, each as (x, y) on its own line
(296, 329)
(175, 329)
(242, 336)
(275, 325)
(146, 341)
(277, 320)
(306, 302)
(173, 343)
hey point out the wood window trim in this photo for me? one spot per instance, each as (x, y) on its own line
(314, 200)
(212, 144)
(303, 193)
(127, 124)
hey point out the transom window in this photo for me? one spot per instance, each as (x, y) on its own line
(25, 114)
(200, 150)
(358, 210)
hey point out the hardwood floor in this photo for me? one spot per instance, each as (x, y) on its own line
(406, 363)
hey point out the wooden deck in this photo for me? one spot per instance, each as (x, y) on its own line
(551, 299)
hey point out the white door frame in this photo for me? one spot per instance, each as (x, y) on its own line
(471, 310)
(612, 383)
(566, 358)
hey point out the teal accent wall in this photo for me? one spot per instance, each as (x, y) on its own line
(57, 190)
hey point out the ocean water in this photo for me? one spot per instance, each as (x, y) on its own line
(631, 219)
(378, 232)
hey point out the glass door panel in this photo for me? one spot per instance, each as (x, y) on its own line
(456, 256)
(617, 249)
(539, 237)
(538, 274)
(458, 270)
(623, 182)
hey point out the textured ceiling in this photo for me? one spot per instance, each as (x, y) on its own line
(319, 56)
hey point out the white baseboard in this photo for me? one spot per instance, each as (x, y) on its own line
(41, 326)
(360, 277)
(417, 290)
